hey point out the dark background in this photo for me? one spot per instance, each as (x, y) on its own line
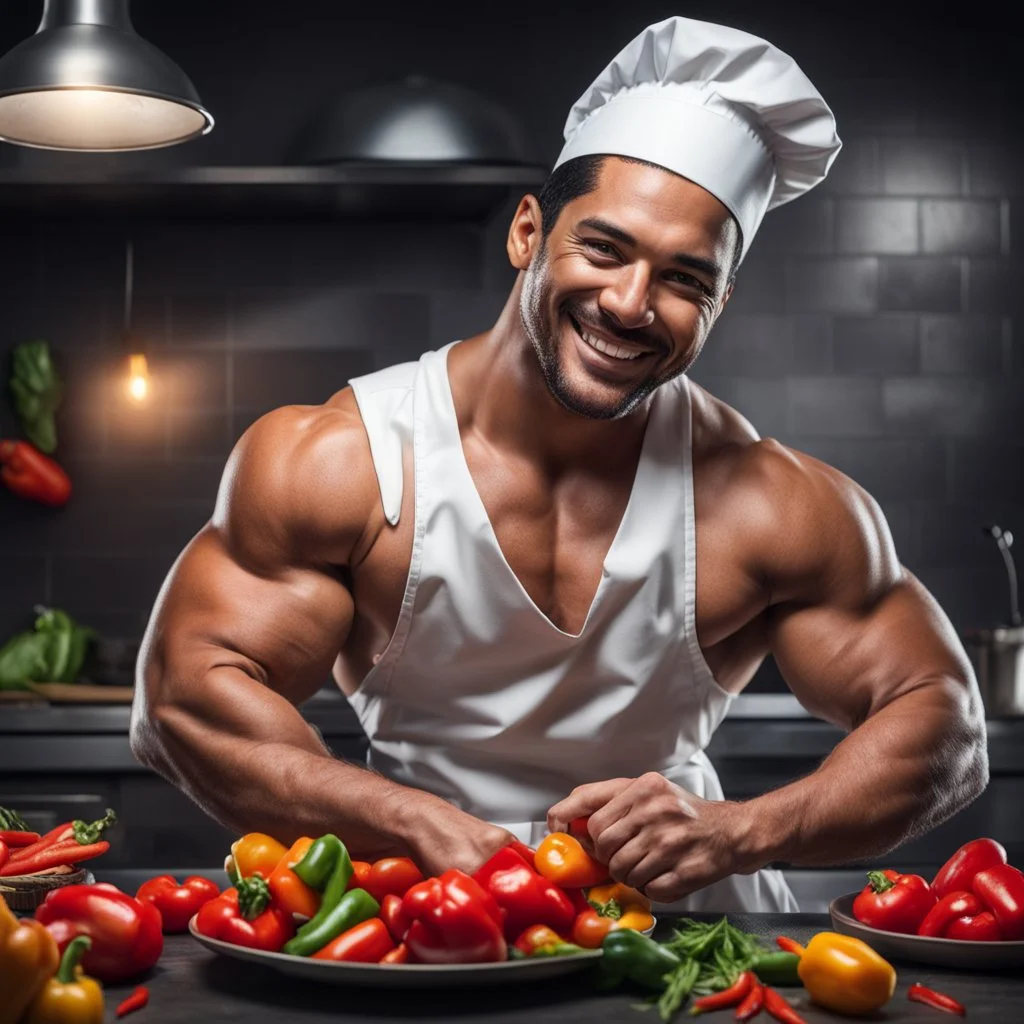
(875, 323)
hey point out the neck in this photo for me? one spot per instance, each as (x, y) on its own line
(501, 396)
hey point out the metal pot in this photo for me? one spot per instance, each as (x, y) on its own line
(998, 653)
(998, 656)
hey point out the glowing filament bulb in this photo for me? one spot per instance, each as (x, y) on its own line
(138, 377)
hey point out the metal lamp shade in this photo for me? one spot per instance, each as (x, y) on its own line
(86, 81)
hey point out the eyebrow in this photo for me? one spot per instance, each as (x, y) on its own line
(709, 267)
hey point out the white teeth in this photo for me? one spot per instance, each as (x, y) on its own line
(615, 351)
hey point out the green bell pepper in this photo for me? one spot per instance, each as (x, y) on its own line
(777, 968)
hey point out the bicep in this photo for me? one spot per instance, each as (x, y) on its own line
(844, 662)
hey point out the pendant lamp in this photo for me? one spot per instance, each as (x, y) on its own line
(86, 81)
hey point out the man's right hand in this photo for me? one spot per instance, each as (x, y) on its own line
(440, 836)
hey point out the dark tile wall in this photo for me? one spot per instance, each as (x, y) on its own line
(875, 324)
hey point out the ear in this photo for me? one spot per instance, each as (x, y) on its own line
(525, 233)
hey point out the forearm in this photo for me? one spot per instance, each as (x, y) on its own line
(250, 760)
(908, 767)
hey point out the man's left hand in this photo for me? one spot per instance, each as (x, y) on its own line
(656, 836)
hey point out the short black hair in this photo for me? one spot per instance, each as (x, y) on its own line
(579, 177)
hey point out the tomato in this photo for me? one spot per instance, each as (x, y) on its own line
(590, 929)
(392, 876)
(360, 873)
(394, 916)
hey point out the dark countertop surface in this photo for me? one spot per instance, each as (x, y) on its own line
(191, 985)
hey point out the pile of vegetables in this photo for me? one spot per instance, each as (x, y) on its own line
(54, 651)
(24, 852)
(976, 896)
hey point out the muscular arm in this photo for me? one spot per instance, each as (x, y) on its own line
(863, 645)
(248, 625)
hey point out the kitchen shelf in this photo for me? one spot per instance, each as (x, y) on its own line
(407, 192)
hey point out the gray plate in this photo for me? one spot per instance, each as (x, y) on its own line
(405, 975)
(923, 950)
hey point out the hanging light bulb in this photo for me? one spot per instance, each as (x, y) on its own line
(87, 81)
(138, 384)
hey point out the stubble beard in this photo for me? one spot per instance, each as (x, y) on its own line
(546, 341)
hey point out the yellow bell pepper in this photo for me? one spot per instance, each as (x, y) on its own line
(254, 852)
(845, 974)
(69, 997)
(635, 907)
(28, 956)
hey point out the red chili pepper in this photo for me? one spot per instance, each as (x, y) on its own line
(365, 943)
(938, 1000)
(789, 945)
(136, 1001)
(893, 902)
(126, 936)
(1001, 889)
(455, 920)
(33, 475)
(15, 840)
(52, 857)
(177, 904)
(777, 1006)
(731, 996)
(958, 872)
(952, 906)
(753, 1004)
(4, 853)
(526, 897)
(84, 833)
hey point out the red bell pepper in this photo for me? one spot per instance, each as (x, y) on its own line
(526, 896)
(365, 943)
(126, 935)
(958, 872)
(454, 921)
(177, 904)
(1001, 889)
(393, 914)
(33, 475)
(247, 920)
(959, 915)
(893, 902)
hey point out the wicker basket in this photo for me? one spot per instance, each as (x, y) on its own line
(25, 892)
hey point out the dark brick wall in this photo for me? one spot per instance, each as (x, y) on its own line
(875, 323)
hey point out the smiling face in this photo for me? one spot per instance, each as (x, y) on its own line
(621, 294)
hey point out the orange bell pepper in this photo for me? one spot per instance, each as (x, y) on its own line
(28, 958)
(290, 892)
(561, 859)
(254, 853)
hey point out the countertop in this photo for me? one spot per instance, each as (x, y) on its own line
(192, 984)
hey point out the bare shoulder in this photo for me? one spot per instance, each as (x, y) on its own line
(802, 526)
(299, 486)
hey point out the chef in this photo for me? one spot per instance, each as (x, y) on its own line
(541, 562)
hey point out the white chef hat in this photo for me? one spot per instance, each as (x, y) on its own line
(718, 106)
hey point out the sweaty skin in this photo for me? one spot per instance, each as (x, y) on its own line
(297, 575)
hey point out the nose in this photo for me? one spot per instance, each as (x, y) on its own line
(627, 301)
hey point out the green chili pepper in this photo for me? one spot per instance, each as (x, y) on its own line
(777, 968)
(354, 907)
(325, 861)
(629, 954)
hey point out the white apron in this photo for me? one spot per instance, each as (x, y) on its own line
(479, 698)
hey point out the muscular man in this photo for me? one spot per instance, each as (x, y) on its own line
(540, 562)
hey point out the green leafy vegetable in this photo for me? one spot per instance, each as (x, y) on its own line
(37, 392)
(53, 652)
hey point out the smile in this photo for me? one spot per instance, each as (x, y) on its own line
(609, 348)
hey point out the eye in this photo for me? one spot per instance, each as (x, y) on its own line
(602, 248)
(689, 281)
